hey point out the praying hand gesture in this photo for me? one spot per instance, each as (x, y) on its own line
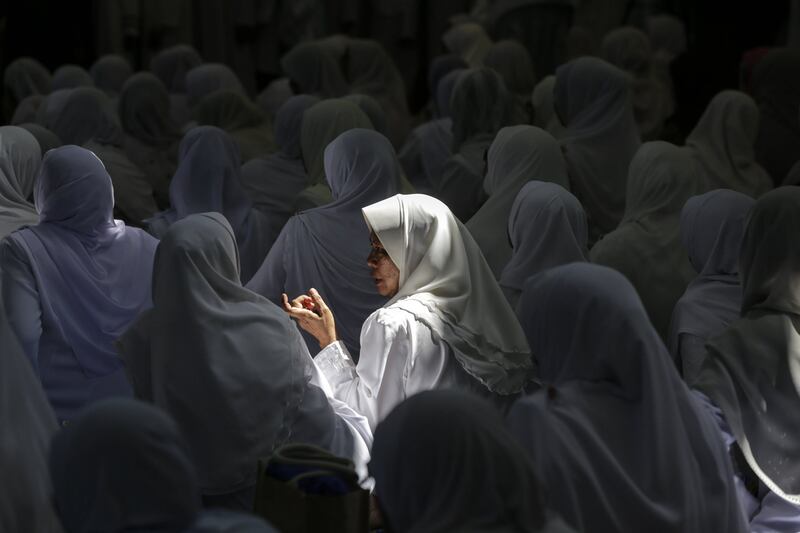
(313, 315)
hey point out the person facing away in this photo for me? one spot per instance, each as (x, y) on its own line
(72, 283)
(324, 247)
(123, 465)
(20, 159)
(446, 325)
(617, 438)
(229, 366)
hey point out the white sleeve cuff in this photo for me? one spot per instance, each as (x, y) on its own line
(335, 363)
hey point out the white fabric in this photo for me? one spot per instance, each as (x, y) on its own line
(27, 424)
(517, 155)
(712, 226)
(646, 246)
(619, 441)
(593, 98)
(753, 370)
(723, 141)
(446, 284)
(547, 227)
(228, 365)
(20, 157)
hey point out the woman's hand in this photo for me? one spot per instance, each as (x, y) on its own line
(313, 315)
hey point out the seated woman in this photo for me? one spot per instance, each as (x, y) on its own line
(229, 366)
(154, 483)
(750, 374)
(617, 438)
(74, 282)
(444, 461)
(446, 325)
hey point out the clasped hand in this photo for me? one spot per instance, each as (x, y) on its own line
(313, 315)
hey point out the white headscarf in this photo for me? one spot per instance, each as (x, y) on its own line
(228, 365)
(617, 437)
(712, 226)
(752, 371)
(20, 157)
(27, 424)
(646, 246)
(593, 98)
(446, 284)
(518, 155)
(723, 141)
(546, 227)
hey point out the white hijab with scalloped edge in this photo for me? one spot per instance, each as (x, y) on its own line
(447, 285)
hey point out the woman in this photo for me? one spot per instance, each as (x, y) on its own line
(513, 62)
(229, 366)
(233, 112)
(208, 78)
(712, 226)
(170, 66)
(207, 180)
(446, 324)
(70, 77)
(646, 246)
(547, 228)
(22, 78)
(324, 247)
(723, 142)
(750, 377)
(444, 461)
(154, 486)
(313, 70)
(20, 158)
(593, 101)
(110, 72)
(518, 154)
(72, 283)
(619, 441)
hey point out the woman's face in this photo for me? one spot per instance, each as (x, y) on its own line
(384, 271)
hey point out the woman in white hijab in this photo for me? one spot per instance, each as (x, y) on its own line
(723, 142)
(751, 371)
(446, 325)
(646, 246)
(74, 282)
(27, 424)
(547, 227)
(325, 247)
(712, 226)
(228, 365)
(617, 438)
(593, 101)
(444, 461)
(518, 155)
(20, 158)
(480, 105)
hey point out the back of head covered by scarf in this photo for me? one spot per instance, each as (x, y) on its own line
(22, 78)
(628, 48)
(667, 35)
(480, 105)
(513, 62)
(375, 113)
(723, 141)
(518, 155)
(593, 99)
(547, 228)
(233, 112)
(47, 139)
(110, 72)
(208, 78)
(314, 70)
(617, 438)
(92, 273)
(154, 485)
(20, 157)
(275, 181)
(712, 226)
(27, 109)
(362, 169)
(751, 370)
(444, 461)
(209, 179)
(776, 90)
(27, 424)
(446, 284)
(274, 95)
(544, 112)
(440, 67)
(70, 77)
(469, 41)
(172, 64)
(228, 365)
(144, 111)
(646, 246)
